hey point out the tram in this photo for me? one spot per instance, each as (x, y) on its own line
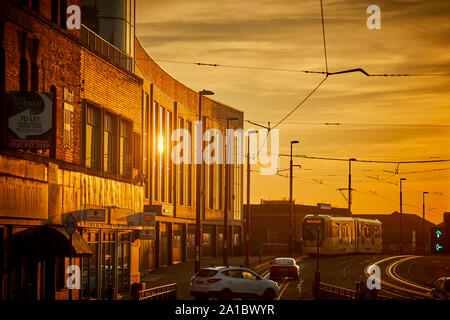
(341, 235)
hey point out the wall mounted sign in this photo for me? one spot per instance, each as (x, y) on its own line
(148, 218)
(29, 120)
(148, 234)
(97, 215)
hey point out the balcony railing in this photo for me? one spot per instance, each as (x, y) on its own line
(105, 49)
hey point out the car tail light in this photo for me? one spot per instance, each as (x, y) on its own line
(214, 280)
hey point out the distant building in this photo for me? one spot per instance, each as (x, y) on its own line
(412, 232)
(270, 223)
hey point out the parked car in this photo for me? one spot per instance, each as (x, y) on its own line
(231, 282)
(441, 289)
(284, 267)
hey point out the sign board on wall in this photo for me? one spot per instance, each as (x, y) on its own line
(148, 234)
(148, 218)
(29, 120)
(97, 215)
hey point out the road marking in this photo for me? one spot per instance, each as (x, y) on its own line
(390, 274)
(392, 270)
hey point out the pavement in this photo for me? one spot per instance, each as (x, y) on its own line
(181, 273)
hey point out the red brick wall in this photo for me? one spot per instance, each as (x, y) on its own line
(113, 89)
(58, 61)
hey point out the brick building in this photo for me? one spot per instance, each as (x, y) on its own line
(270, 224)
(102, 108)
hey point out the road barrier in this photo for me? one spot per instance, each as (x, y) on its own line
(324, 291)
(166, 292)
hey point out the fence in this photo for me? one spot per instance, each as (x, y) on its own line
(324, 291)
(166, 292)
(114, 55)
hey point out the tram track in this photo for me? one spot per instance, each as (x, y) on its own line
(399, 287)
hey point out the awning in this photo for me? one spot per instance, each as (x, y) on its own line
(49, 241)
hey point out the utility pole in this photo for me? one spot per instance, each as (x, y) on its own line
(198, 193)
(247, 218)
(423, 222)
(401, 216)
(350, 185)
(291, 213)
(228, 154)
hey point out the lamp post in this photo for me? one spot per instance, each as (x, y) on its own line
(227, 195)
(291, 213)
(401, 216)
(423, 222)
(247, 218)
(199, 191)
(350, 185)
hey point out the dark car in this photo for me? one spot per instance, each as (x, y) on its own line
(284, 267)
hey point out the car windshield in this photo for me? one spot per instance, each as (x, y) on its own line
(206, 273)
(284, 261)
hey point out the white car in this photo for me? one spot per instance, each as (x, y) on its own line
(230, 282)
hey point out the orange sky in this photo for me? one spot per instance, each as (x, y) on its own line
(287, 34)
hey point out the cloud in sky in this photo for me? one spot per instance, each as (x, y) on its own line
(287, 34)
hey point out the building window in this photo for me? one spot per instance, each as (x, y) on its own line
(145, 142)
(189, 166)
(137, 151)
(35, 5)
(219, 183)
(110, 143)
(107, 262)
(89, 269)
(92, 137)
(23, 85)
(123, 257)
(180, 167)
(125, 152)
(68, 125)
(162, 154)
(55, 11)
(155, 152)
(34, 77)
(168, 158)
(63, 13)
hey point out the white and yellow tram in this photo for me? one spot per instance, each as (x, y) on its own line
(341, 235)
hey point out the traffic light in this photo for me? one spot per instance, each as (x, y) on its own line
(439, 241)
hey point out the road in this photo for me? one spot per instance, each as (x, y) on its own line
(341, 271)
(411, 277)
(402, 277)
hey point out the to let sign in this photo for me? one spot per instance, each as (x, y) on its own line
(29, 120)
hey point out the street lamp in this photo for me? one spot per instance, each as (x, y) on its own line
(291, 213)
(227, 195)
(401, 216)
(198, 194)
(247, 218)
(423, 222)
(350, 185)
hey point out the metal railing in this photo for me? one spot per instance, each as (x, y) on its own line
(330, 292)
(108, 51)
(166, 292)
